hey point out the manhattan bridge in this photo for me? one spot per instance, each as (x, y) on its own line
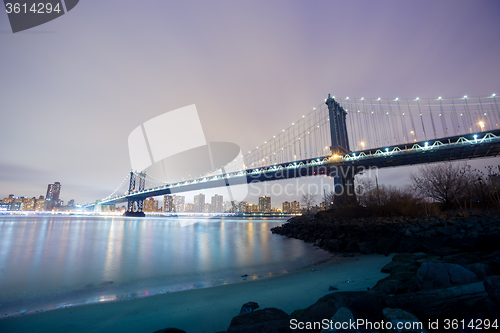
(340, 138)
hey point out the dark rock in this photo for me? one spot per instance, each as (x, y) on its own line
(430, 276)
(386, 245)
(481, 270)
(431, 259)
(170, 330)
(269, 320)
(445, 251)
(434, 243)
(366, 307)
(367, 247)
(396, 316)
(388, 286)
(406, 257)
(335, 245)
(457, 301)
(408, 244)
(332, 288)
(248, 307)
(492, 286)
(343, 315)
(328, 305)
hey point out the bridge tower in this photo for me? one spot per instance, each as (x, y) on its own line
(343, 177)
(338, 128)
(136, 202)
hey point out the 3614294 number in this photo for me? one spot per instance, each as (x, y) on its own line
(36, 8)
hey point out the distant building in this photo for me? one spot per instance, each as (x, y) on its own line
(179, 202)
(286, 207)
(264, 204)
(295, 207)
(189, 207)
(71, 203)
(199, 203)
(40, 204)
(242, 207)
(150, 205)
(29, 204)
(9, 199)
(17, 204)
(52, 197)
(208, 208)
(216, 205)
(253, 208)
(168, 204)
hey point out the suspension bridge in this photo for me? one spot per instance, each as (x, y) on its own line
(342, 137)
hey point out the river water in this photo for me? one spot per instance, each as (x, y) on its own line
(48, 262)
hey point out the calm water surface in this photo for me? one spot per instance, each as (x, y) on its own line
(48, 262)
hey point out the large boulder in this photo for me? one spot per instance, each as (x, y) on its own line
(249, 307)
(340, 322)
(328, 305)
(457, 301)
(269, 320)
(441, 275)
(492, 286)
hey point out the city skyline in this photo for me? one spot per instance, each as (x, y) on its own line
(105, 89)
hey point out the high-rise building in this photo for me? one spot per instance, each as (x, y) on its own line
(295, 207)
(242, 207)
(264, 204)
(71, 203)
(168, 204)
(150, 205)
(179, 203)
(286, 207)
(199, 203)
(217, 203)
(52, 197)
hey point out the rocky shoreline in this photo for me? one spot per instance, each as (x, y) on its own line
(445, 277)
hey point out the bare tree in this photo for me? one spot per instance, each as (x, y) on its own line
(308, 201)
(329, 199)
(447, 183)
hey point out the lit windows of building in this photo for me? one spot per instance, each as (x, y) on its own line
(150, 205)
(264, 204)
(52, 197)
(295, 207)
(216, 204)
(199, 203)
(40, 204)
(9, 199)
(286, 207)
(189, 207)
(179, 202)
(168, 204)
(29, 204)
(242, 207)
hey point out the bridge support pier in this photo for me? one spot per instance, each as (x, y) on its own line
(343, 185)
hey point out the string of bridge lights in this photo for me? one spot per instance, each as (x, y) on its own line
(371, 102)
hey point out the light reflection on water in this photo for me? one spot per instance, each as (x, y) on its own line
(48, 262)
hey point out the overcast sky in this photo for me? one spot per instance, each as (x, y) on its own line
(73, 89)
